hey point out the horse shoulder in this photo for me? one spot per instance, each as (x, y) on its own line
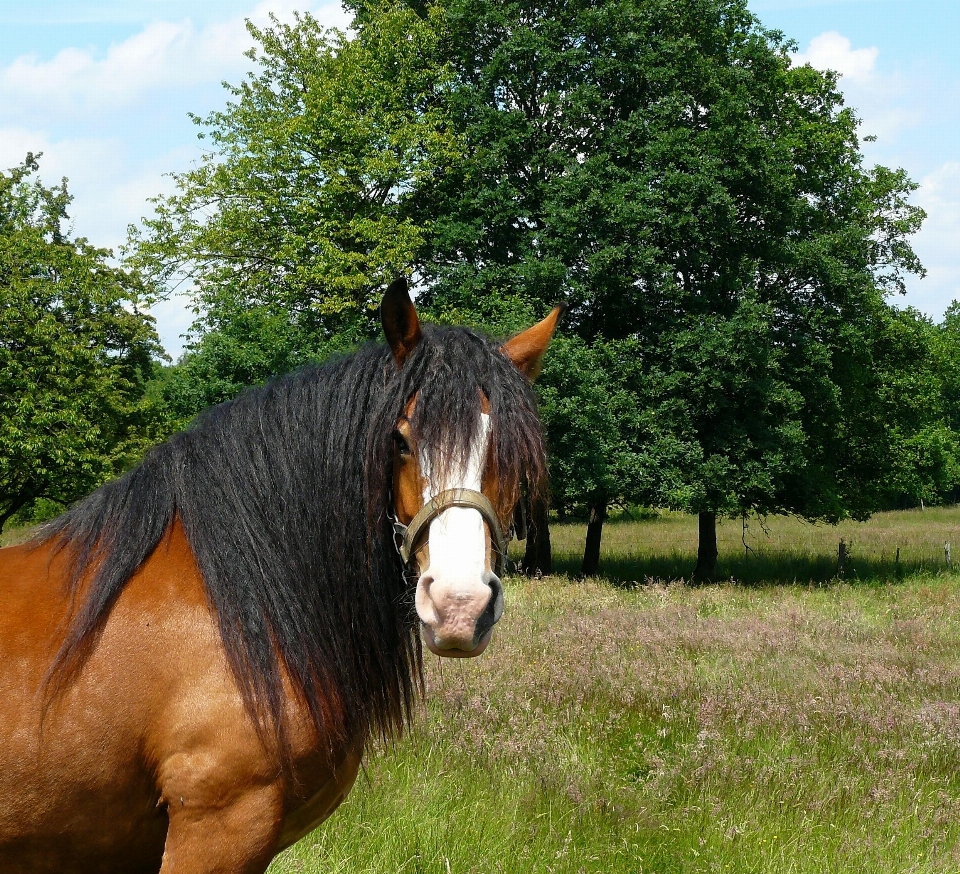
(153, 724)
(78, 794)
(33, 607)
(163, 643)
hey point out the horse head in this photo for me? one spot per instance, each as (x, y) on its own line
(451, 507)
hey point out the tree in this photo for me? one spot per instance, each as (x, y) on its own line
(914, 378)
(607, 446)
(693, 193)
(246, 348)
(290, 225)
(75, 353)
(659, 163)
(947, 358)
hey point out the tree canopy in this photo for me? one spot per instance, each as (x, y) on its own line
(291, 220)
(75, 353)
(914, 416)
(664, 166)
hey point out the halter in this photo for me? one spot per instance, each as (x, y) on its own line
(410, 534)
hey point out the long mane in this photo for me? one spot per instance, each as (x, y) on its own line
(282, 494)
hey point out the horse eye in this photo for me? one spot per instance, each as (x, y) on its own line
(402, 446)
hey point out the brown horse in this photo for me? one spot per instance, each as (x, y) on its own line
(193, 658)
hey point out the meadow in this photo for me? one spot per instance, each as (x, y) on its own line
(784, 720)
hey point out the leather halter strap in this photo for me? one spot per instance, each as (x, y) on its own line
(444, 500)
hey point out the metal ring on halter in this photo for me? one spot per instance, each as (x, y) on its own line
(474, 500)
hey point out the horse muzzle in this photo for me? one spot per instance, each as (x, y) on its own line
(458, 622)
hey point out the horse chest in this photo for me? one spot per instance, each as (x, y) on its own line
(309, 814)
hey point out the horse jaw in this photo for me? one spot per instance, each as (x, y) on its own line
(455, 590)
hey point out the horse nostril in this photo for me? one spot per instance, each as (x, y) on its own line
(494, 609)
(496, 598)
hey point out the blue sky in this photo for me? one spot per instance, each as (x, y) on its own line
(103, 88)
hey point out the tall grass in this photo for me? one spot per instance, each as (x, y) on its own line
(804, 727)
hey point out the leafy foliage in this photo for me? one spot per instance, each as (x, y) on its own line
(701, 203)
(75, 353)
(608, 444)
(290, 225)
(913, 383)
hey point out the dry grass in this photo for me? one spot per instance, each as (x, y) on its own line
(13, 536)
(662, 728)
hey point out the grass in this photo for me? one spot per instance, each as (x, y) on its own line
(12, 536)
(647, 726)
(776, 550)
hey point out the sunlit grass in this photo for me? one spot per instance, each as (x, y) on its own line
(776, 549)
(801, 728)
(11, 536)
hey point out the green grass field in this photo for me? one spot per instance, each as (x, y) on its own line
(783, 721)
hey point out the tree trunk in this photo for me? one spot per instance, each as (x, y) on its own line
(591, 552)
(537, 556)
(706, 569)
(14, 505)
(5, 516)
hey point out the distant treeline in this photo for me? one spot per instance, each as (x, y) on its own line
(702, 205)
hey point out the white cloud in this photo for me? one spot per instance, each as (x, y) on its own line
(882, 120)
(15, 142)
(889, 102)
(762, 6)
(114, 123)
(164, 55)
(91, 165)
(833, 51)
(109, 186)
(936, 244)
(111, 189)
(939, 194)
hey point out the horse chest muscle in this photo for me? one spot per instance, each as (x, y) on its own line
(306, 816)
(75, 795)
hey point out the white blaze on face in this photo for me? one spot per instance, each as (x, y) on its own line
(451, 592)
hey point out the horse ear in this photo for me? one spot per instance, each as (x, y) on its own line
(401, 325)
(526, 350)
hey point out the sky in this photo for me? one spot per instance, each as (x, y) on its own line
(105, 89)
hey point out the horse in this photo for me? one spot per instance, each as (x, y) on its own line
(194, 657)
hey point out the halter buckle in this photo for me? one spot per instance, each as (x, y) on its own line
(399, 529)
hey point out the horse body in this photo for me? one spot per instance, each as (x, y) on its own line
(153, 737)
(193, 658)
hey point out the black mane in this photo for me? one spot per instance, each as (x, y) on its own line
(282, 494)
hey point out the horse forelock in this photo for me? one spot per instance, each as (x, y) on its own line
(282, 494)
(451, 372)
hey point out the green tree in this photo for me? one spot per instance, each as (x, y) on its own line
(75, 353)
(657, 162)
(915, 382)
(288, 228)
(662, 162)
(607, 445)
(947, 357)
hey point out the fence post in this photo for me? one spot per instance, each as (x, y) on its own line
(842, 557)
(946, 554)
